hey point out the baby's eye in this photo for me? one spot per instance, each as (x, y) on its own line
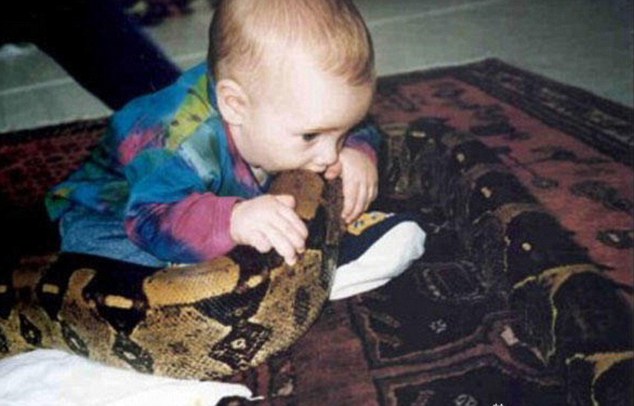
(309, 136)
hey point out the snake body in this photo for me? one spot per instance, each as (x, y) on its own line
(203, 321)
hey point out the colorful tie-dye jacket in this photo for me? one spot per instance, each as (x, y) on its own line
(168, 172)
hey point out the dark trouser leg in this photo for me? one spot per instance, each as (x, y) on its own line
(97, 45)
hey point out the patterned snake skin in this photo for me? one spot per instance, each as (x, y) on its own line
(203, 321)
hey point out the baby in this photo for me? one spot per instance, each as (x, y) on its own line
(293, 79)
(182, 174)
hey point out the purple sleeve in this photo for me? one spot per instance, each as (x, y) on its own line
(171, 213)
(194, 229)
(365, 138)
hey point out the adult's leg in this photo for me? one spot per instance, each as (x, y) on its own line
(97, 44)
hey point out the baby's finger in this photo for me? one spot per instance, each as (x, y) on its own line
(374, 192)
(283, 246)
(294, 237)
(349, 199)
(260, 242)
(362, 201)
(292, 223)
(359, 205)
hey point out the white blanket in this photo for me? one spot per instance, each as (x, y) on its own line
(55, 378)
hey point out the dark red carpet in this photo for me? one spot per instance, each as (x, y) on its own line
(524, 295)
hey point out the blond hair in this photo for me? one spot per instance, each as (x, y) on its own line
(331, 30)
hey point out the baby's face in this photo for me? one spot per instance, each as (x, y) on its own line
(299, 118)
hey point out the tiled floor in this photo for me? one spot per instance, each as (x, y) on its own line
(586, 43)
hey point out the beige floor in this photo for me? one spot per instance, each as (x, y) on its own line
(586, 43)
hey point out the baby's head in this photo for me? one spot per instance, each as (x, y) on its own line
(292, 78)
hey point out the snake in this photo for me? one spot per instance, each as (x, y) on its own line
(203, 321)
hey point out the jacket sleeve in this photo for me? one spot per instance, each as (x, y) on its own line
(366, 138)
(170, 213)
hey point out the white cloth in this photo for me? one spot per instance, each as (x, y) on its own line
(387, 258)
(55, 378)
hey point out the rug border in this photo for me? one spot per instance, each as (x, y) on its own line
(620, 150)
(53, 130)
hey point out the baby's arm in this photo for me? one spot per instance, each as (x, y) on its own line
(172, 215)
(357, 166)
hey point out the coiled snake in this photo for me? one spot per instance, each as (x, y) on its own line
(203, 321)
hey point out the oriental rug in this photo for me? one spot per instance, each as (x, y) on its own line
(524, 295)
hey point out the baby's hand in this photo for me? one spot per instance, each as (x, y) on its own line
(360, 182)
(267, 222)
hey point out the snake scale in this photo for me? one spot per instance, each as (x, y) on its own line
(203, 321)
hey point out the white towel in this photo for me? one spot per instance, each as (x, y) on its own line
(56, 378)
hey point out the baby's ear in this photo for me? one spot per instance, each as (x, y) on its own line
(232, 101)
